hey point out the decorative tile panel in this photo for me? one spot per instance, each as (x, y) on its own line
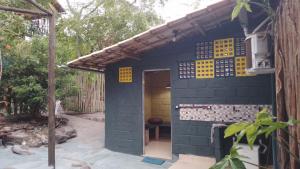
(205, 50)
(220, 112)
(125, 74)
(240, 67)
(224, 67)
(240, 47)
(205, 69)
(224, 48)
(186, 70)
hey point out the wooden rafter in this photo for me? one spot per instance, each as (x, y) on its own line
(22, 11)
(38, 6)
(198, 28)
(89, 69)
(130, 55)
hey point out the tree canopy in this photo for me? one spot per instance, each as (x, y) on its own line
(87, 28)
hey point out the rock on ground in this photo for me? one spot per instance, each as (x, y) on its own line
(38, 136)
(17, 137)
(21, 150)
(81, 165)
(64, 133)
(87, 147)
(70, 131)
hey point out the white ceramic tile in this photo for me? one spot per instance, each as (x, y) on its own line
(220, 112)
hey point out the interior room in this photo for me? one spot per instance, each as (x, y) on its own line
(157, 114)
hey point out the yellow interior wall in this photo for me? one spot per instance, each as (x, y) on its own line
(157, 96)
(147, 98)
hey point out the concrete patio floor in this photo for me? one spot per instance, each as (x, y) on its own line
(103, 159)
(86, 148)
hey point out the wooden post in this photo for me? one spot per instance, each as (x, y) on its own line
(157, 132)
(51, 92)
(51, 70)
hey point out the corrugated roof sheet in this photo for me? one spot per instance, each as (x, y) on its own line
(198, 21)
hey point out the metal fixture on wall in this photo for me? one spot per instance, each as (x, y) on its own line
(258, 53)
(175, 33)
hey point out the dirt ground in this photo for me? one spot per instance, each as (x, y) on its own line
(83, 152)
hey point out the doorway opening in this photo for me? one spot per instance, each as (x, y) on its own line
(157, 114)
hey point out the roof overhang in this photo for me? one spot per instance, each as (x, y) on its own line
(58, 7)
(198, 22)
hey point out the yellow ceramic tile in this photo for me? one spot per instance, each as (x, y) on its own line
(240, 67)
(205, 69)
(224, 48)
(125, 74)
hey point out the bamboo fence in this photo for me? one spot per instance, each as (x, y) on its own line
(90, 96)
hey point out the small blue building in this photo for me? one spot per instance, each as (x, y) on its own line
(166, 87)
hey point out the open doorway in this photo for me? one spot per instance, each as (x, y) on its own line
(157, 114)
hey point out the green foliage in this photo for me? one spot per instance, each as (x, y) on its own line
(264, 124)
(91, 27)
(231, 161)
(96, 25)
(24, 4)
(12, 30)
(234, 128)
(103, 23)
(240, 4)
(24, 80)
(246, 4)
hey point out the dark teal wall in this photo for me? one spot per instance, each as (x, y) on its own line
(124, 116)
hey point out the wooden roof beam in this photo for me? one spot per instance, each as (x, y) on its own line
(215, 18)
(211, 25)
(89, 64)
(161, 37)
(119, 56)
(185, 34)
(101, 70)
(39, 7)
(24, 11)
(199, 28)
(140, 42)
(127, 54)
(112, 60)
(157, 44)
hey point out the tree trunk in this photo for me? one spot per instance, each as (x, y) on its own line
(287, 64)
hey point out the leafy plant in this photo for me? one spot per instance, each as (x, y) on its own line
(90, 27)
(93, 26)
(233, 161)
(264, 124)
(24, 82)
(246, 4)
(240, 4)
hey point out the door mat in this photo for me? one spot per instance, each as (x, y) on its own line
(155, 161)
